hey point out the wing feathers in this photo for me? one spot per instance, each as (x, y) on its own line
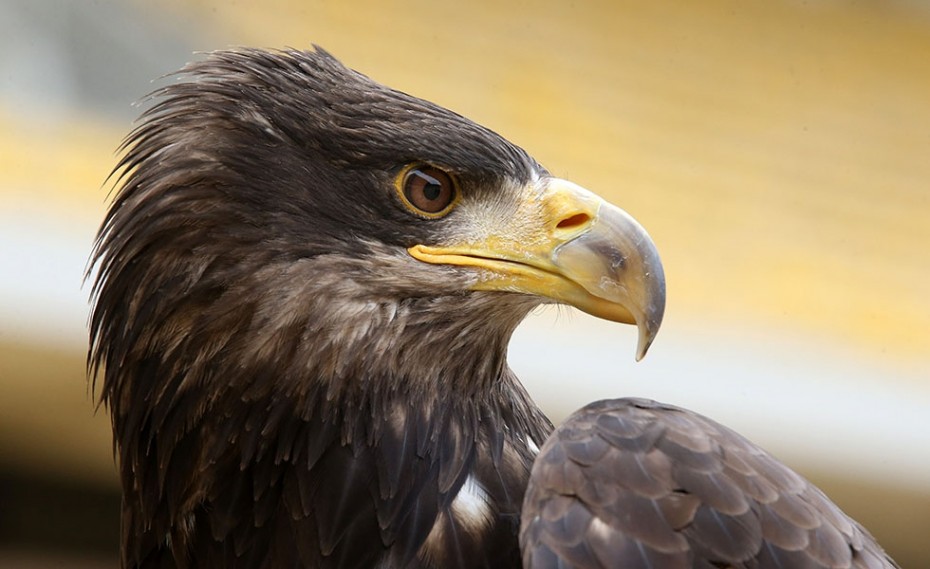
(634, 483)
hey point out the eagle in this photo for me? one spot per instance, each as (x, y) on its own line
(304, 291)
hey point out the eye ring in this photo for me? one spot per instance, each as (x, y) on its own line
(427, 191)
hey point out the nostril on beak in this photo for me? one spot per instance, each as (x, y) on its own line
(574, 221)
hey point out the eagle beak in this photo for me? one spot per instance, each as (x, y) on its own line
(566, 244)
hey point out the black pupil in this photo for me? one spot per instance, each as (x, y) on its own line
(432, 190)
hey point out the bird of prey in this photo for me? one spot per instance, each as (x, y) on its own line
(305, 288)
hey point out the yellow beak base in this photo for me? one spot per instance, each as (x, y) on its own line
(573, 248)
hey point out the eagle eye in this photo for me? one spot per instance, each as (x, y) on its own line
(427, 191)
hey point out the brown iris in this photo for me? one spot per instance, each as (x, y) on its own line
(428, 191)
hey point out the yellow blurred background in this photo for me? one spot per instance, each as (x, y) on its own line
(778, 151)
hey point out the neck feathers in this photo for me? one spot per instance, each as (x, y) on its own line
(272, 417)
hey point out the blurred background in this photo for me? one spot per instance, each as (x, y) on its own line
(778, 152)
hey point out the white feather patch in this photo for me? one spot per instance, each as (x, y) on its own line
(470, 512)
(531, 444)
(470, 507)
